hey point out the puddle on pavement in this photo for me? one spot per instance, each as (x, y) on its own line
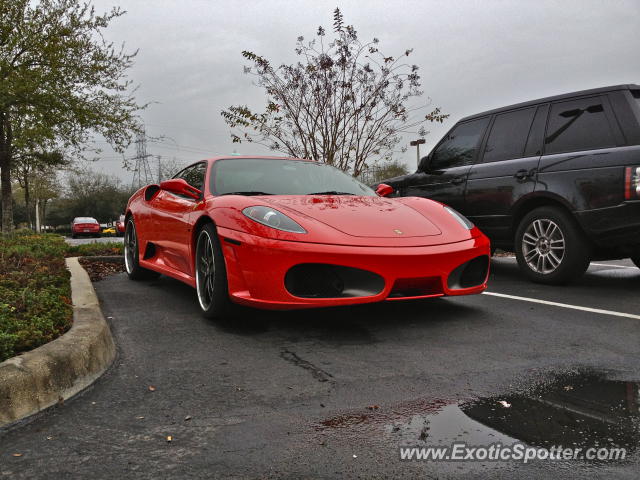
(577, 410)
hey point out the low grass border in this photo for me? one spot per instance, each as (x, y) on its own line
(35, 293)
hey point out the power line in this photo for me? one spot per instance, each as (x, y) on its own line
(176, 146)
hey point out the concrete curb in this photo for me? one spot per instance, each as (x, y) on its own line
(60, 369)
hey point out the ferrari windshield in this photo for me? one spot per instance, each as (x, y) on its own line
(261, 176)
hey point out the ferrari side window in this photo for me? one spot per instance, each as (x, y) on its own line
(183, 173)
(194, 176)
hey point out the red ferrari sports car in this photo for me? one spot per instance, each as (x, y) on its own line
(285, 233)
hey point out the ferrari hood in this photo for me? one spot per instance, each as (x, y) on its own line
(359, 216)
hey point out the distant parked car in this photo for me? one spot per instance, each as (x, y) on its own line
(120, 225)
(85, 226)
(109, 230)
(557, 180)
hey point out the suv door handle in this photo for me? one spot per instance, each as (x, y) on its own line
(521, 174)
(457, 180)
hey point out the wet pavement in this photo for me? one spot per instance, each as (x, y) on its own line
(337, 393)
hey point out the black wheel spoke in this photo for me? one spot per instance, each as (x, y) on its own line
(205, 270)
(130, 247)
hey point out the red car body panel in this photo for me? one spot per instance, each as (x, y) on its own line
(406, 241)
(120, 225)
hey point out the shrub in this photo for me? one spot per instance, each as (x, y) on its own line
(93, 249)
(35, 293)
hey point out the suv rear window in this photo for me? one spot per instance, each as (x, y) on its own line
(578, 125)
(636, 95)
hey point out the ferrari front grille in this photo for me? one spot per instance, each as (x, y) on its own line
(416, 287)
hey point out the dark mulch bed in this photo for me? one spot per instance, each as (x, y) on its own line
(100, 268)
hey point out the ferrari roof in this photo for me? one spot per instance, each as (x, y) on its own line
(266, 157)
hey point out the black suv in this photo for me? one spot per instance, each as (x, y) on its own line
(556, 180)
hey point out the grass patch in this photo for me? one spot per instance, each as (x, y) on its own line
(95, 249)
(35, 293)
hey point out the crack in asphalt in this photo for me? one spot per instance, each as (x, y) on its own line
(316, 372)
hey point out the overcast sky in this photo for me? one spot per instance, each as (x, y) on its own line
(473, 56)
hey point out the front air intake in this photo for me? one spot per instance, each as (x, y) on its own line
(470, 274)
(319, 280)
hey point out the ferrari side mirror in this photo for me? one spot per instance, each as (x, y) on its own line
(384, 190)
(180, 187)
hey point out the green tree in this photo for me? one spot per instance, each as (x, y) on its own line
(90, 194)
(344, 102)
(60, 83)
(30, 168)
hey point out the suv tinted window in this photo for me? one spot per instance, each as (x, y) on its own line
(536, 134)
(459, 146)
(636, 95)
(508, 135)
(578, 125)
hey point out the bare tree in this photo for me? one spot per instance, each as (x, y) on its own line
(383, 171)
(344, 102)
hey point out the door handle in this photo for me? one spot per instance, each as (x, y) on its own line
(457, 180)
(521, 174)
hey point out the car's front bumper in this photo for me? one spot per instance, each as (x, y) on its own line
(257, 267)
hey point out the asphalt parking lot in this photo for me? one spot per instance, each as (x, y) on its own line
(335, 393)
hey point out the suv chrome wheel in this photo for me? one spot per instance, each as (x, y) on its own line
(543, 246)
(205, 270)
(551, 247)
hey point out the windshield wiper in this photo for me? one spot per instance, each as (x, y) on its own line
(248, 193)
(331, 192)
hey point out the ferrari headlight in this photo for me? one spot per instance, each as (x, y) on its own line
(273, 218)
(462, 220)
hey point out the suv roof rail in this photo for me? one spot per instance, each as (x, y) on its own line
(592, 91)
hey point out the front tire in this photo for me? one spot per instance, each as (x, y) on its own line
(132, 255)
(550, 246)
(211, 274)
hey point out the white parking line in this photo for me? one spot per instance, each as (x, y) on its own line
(611, 265)
(565, 305)
(596, 264)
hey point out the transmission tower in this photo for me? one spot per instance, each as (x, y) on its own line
(142, 170)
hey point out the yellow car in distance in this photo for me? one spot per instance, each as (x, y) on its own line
(109, 231)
